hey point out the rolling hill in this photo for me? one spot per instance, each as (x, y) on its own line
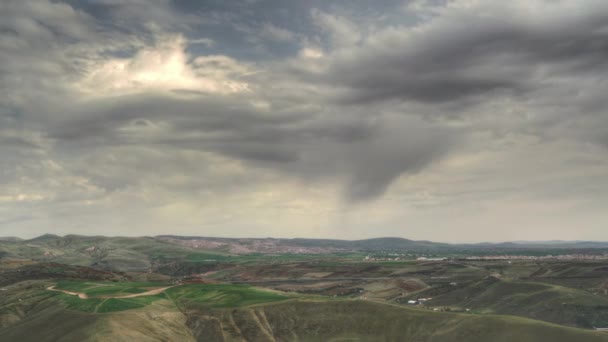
(551, 303)
(29, 312)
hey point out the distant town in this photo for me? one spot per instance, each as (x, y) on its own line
(490, 257)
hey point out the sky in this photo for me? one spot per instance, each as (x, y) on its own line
(444, 120)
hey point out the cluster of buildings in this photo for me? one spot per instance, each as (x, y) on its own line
(370, 258)
(397, 257)
(541, 257)
(418, 301)
(430, 259)
(393, 257)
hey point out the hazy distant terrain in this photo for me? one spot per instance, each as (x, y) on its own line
(143, 253)
(219, 289)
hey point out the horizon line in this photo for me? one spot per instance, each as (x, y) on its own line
(521, 242)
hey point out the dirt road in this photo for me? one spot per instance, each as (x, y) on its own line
(147, 293)
(133, 295)
(79, 294)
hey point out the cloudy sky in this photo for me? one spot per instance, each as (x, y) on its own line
(447, 120)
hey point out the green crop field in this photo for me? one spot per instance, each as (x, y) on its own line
(75, 303)
(107, 289)
(221, 295)
(104, 305)
(99, 295)
(208, 295)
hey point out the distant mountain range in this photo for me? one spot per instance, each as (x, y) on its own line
(380, 243)
(397, 243)
(140, 253)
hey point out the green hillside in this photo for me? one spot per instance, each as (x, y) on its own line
(221, 295)
(80, 288)
(229, 313)
(369, 321)
(301, 320)
(541, 301)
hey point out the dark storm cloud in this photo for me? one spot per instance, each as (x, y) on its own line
(366, 156)
(380, 162)
(202, 114)
(452, 57)
(164, 108)
(474, 52)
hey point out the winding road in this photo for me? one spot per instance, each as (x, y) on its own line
(133, 295)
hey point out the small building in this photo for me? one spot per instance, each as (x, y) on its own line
(412, 302)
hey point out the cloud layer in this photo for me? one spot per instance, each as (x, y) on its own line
(446, 120)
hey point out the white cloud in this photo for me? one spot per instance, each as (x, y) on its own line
(311, 53)
(165, 67)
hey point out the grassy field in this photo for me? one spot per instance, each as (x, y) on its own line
(207, 295)
(221, 295)
(104, 305)
(107, 289)
(99, 295)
